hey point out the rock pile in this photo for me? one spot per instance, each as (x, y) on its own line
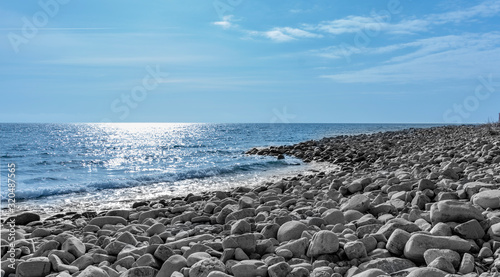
(420, 202)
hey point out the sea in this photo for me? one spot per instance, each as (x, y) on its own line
(63, 167)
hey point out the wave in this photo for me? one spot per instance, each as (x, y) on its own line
(262, 164)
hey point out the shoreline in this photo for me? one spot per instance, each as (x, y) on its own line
(337, 223)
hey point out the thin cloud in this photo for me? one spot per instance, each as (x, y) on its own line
(285, 34)
(226, 22)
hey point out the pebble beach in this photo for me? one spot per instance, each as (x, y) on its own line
(416, 202)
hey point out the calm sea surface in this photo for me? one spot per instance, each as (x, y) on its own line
(83, 165)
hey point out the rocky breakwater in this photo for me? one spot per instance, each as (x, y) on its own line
(424, 203)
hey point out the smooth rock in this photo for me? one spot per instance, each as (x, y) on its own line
(471, 229)
(374, 272)
(196, 257)
(92, 271)
(240, 227)
(74, 246)
(24, 218)
(34, 267)
(323, 242)
(103, 220)
(487, 199)
(279, 270)
(333, 216)
(140, 271)
(467, 265)
(355, 250)
(452, 256)
(173, 263)
(454, 211)
(397, 241)
(291, 230)
(246, 242)
(442, 264)
(419, 243)
(297, 247)
(358, 202)
(249, 268)
(427, 272)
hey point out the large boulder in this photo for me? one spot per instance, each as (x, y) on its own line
(388, 265)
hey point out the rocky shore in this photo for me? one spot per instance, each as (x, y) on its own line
(418, 202)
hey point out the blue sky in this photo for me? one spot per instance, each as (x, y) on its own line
(250, 61)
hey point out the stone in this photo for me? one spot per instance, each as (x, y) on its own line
(147, 260)
(74, 246)
(485, 252)
(467, 264)
(494, 231)
(249, 268)
(83, 262)
(333, 216)
(128, 238)
(196, 257)
(424, 184)
(397, 241)
(442, 264)
(24, 218)
(58, 264)
(471, 229)
(441, 229)
(186, 241)
(452, 256)
(358, 202)
(487, 199)
(298, 272)
(270, 231)
(34, 267)
(297, 247)
(241, 227)
(323, 242)
(419, 243)
(204, 267)
(454, 211)
(398, 223)
(218, 274)
(355, 250)
(427, 272)
(140, 271)
(246, 202)
(291, 230)
(173, 263)
(92, 271)
(163, 252)
(388, 265)
(280, 269)
(115, 247)
(155, 229)
(46, 246)
(103, 220)
(285, 253)
(246, 242)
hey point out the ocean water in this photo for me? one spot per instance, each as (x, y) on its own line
(81, 166)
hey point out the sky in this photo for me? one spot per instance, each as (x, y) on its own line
(225, 61)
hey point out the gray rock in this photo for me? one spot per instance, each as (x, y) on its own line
(240, 227)
(388, 265)
(196, 257)
(291, 230)
(297, 247)
(333, 216)
(204, 267)
(140, 271)
(452, 256)
(249, 268)
(34, 267)
(323, 242)
(92, 271)
(427, 272)
(442, 264)
(24, 218)
(279, 270)
(454, 211)
(355, 250)
(467, 264)
(470, 230)
(174, 263)
(74, 246)
(397, 241)
(247, 242)
(103, 220)
(358, 202)
(487, 199)
(419, 243)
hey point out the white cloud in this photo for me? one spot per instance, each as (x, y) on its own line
(438, 58)
(284, 34)
(226, 22)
